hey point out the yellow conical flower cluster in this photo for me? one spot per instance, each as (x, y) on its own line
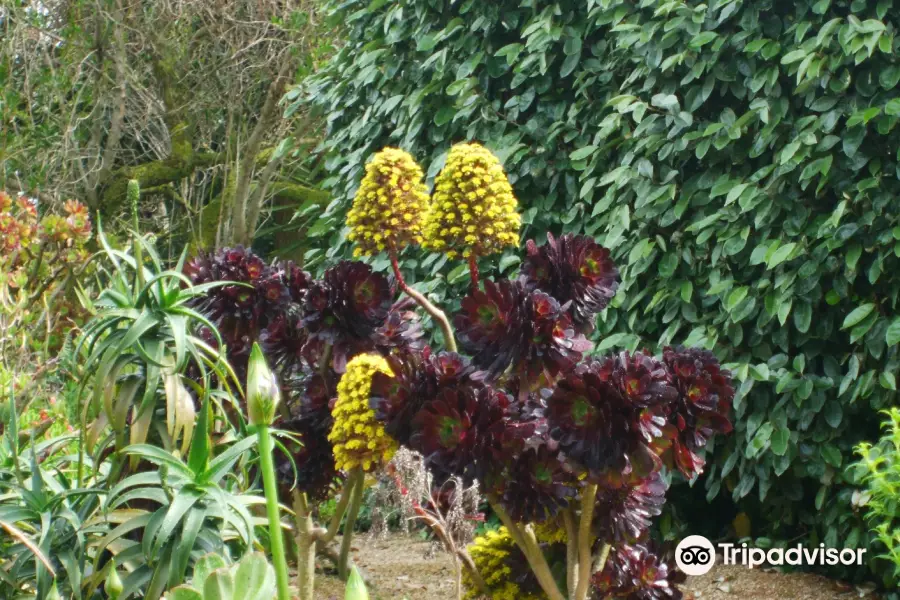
(490, 552)
(359, 439)
(473, 210)
(389, 205)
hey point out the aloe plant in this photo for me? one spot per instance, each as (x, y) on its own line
(141, 338)
(252, 578)
(194, 506)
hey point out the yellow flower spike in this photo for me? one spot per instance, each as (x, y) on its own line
(490, 553)
(393, 184)
(358, 438)
(472, 188)
(550, 532)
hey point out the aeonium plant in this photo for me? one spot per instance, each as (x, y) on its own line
(567, 446)
(324, 339)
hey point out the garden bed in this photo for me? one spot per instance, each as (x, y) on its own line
(397, 568)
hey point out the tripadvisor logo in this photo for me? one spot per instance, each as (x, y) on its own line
(696, 555)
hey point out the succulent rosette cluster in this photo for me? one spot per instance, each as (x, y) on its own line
(309, 329)
(539, 423)
(256, 298)
(705, 393)
(551, 433)
(506, 326)
(543, 427)
(18, 225)
(349, 311)
(576, 269)
(61, 235)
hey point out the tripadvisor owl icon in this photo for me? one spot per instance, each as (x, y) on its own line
(695, 555)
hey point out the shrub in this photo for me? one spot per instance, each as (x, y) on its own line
(880, 471)
(737, 158)
(42, 258)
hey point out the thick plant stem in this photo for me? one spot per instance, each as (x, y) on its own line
(571, 551)
(585, 541)
(325, 536)
(306, 547)
(267, 467)
(601, 558)
(436, 313)
(358, 477)
(525, 539)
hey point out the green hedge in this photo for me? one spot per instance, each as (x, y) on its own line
(740, 158)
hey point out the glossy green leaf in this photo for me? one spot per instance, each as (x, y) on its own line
(857, 315)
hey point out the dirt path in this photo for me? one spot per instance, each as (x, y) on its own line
(397, 569)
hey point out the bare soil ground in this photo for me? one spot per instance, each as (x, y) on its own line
(397, 569)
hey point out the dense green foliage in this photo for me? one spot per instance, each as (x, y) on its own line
(737, 157)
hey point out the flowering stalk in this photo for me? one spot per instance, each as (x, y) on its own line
(359, 440)
(528, 544)
(327, 535)
(436, 313)
(134, 196)
(473, 271)
(263, 397)
(571, 551)
(358, 477)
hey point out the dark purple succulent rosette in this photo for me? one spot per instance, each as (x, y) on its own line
(286, 344)
(346, 307)
(311, 421)
(573, 269)
(535, 485)
(241, 311)
(505, 325)
(624, 514)
(418, 379)
(604, 415)
(489, 325)
(296, 280)
(401, 333)
(465, 431)
(553, 346)
(705, 396)
(637, 573)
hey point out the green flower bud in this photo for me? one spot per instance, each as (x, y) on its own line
(356, 587)
(113, 585)
(133, 194)
(263, 392)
